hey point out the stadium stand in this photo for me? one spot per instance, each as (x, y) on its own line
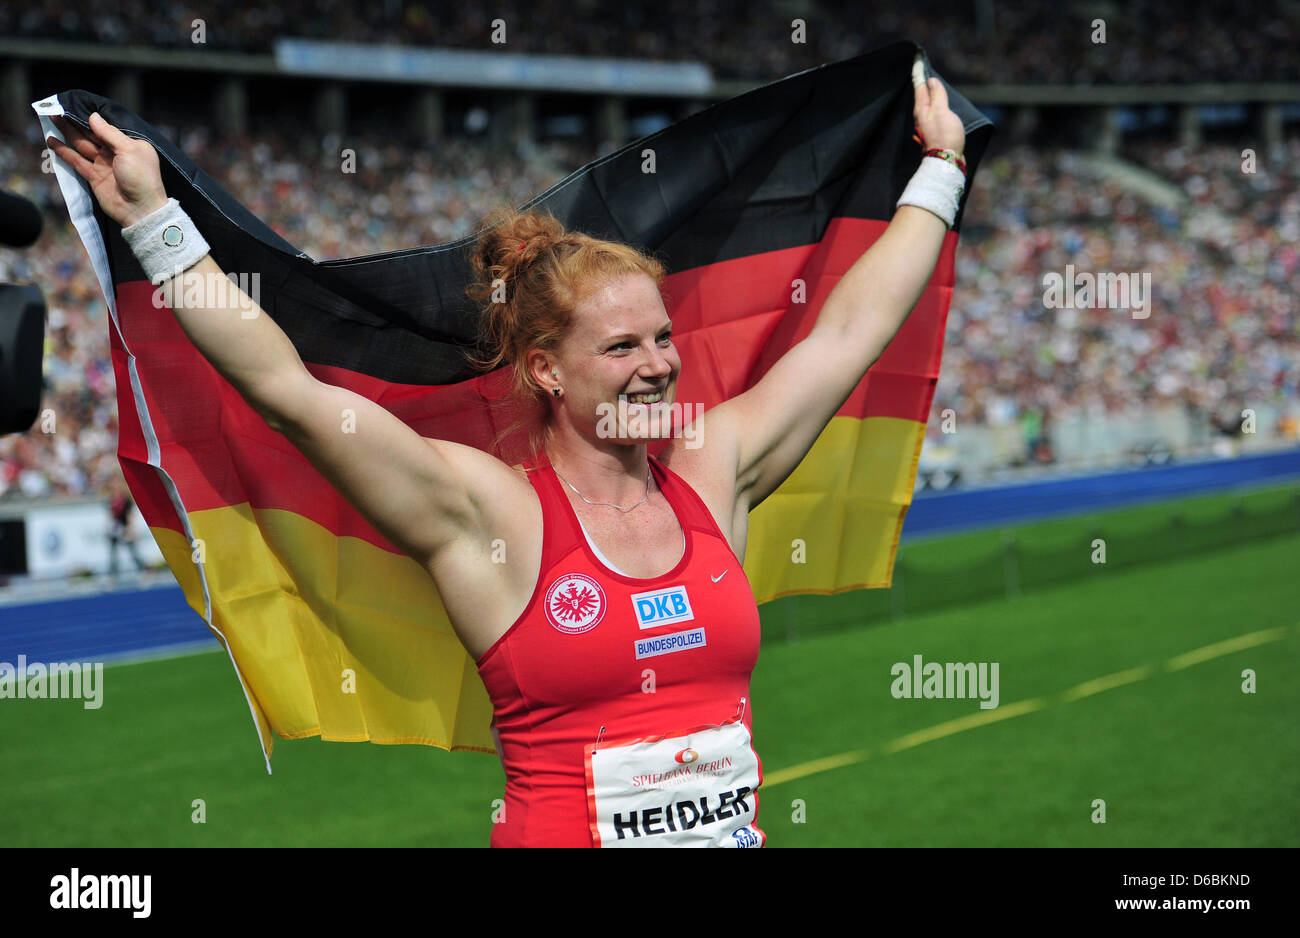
(1225, 335)
(1151, 41)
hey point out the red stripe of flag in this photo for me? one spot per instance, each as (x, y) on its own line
(219, 452)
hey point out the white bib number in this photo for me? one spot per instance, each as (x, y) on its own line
(692, 789)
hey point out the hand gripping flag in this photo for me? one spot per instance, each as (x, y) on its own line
(758, 204)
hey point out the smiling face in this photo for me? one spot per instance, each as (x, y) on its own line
(618, 348)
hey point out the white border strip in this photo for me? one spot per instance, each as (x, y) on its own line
(77, 195)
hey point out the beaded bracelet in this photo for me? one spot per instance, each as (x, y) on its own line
(949, 155)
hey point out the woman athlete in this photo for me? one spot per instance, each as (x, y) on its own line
(618, 640)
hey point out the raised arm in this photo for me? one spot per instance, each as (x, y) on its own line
(416, 492)
(773, 425)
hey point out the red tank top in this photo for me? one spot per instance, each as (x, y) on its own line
(621, 705)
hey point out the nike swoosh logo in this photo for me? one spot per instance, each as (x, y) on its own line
(715, 579)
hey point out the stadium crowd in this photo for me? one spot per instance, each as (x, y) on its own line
(987, 41)
(1224, 326)
(1222, 331)
(395, 200)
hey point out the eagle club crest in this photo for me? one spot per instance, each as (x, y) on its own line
(575, 603)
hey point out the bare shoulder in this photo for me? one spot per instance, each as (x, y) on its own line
(486, 575)
(705, 456)
(501, 505)
(485, 478)
(705, 452)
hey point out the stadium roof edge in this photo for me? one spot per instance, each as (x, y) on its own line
(1206, 93)
(691, 79)
(980, 94)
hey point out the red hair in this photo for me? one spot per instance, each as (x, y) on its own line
(531, 274)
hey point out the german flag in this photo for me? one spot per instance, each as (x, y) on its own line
(757, 205)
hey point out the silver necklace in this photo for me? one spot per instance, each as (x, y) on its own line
(610, 504)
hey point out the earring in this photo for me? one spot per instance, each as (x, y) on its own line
(555, 391)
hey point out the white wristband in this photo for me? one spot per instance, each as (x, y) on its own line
(936, 187)
(166, 242)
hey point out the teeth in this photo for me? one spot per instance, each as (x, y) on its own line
(645, 398)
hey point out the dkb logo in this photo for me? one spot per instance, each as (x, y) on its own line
(662, 607)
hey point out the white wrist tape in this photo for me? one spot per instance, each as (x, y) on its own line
(936, 187)
(166, 242)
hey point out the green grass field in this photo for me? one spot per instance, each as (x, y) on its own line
(1181, 757)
